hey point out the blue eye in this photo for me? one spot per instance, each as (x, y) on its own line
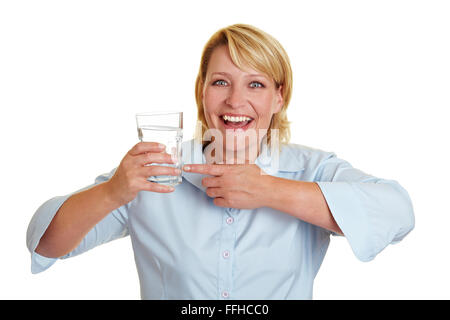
(220, 83)
(256, 84)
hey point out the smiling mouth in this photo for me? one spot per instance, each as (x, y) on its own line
(236, 122)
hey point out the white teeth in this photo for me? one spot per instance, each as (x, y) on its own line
(236, 119)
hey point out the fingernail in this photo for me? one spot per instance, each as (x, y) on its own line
(187, 168)
(171, 188)
(177, 171)
(160, 145)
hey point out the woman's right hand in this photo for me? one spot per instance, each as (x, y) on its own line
(132, 173)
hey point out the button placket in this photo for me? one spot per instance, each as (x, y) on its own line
(227, 244)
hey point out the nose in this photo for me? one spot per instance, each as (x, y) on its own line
(236, 97)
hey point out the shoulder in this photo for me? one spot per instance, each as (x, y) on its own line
(296, 156)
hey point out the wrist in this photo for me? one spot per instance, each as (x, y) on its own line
(108, 195)
(269, 190)
(283, 194)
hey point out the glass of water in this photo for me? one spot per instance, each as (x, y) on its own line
(165, 128)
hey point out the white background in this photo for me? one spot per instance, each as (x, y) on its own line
(371, 83)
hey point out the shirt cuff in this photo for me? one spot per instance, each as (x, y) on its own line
(349, 214)
(40, 263)
(37, 227)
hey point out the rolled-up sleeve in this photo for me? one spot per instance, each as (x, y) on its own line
(371, 212)
(113, 226)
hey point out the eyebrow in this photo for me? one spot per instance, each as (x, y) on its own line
(247, 75)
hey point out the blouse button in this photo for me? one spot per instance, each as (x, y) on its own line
(226, 254)
(230, 220)
(225, 294)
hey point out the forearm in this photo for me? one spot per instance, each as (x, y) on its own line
(303, 200)
(76, 217)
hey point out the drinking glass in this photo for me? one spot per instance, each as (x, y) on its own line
(165, 128)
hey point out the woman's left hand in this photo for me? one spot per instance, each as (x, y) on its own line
(240, 186)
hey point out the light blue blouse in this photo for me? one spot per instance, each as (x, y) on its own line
(187, 248)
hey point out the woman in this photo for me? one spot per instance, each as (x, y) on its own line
(248, 221)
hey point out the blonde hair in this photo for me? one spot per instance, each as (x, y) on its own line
(249, 46)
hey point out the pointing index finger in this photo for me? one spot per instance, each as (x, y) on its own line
(211, 169)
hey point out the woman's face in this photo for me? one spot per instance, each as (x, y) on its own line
(238, 100)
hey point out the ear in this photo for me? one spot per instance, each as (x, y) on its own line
(279, 100)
